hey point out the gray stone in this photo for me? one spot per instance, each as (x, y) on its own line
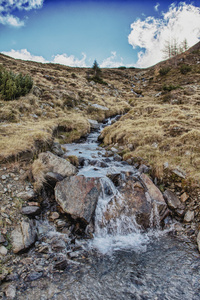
(31, 210)
(172, 201)
(198, 241)
(93, 124)
(56, 149)
(53, 178)
(78, 196)
(28, 195)
(10, 292)
(23, 236)
(100, 107)
(34, 276)
(37, 91)
(57, 164)
(3, 250)
(189, 216)
(50, 163)
(2, 239)
(179, 173)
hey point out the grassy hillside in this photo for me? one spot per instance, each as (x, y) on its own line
(59, 105)
(161, 128)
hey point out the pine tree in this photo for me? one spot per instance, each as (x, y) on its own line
(96, 69)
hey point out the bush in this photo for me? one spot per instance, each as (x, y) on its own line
(13, 86)
(122, 68)
(185, 69)
(163, 71)
(170, 87)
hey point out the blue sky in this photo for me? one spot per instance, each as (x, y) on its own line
(114, 32)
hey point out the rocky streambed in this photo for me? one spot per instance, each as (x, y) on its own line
(100, 230)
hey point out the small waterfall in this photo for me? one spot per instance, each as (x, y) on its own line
(114, 228)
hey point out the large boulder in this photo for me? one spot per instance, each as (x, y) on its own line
(23, 236)
(48, 163)
(138, 197)
(78, 196)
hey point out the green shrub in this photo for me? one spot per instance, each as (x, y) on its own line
(163, 71)
(170, 87)
(122, 68)
(12, 86)
(185, 69)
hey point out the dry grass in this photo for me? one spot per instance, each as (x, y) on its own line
(162, 127)
(59, 106)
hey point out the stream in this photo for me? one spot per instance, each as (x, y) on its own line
(121, 261)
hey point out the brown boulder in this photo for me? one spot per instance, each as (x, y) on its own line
(78, 196)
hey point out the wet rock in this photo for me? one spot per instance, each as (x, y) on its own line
(78, 195)
(114, 150)
(189, 216)
(3, 250)
(23, 236)
(117, 157)
(31, 210)
(93, 124)
(27, 195)
(10, 292)
(58, 245)
(173, 202)
(57, 150)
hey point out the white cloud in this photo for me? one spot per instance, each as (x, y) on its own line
(156, 7)
(7, 6)
(25, 55)
(71, 60)
(180, 22)
(11, 20)
(112, 61)
(62, 59)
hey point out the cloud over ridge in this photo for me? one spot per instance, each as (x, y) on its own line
(179, 22)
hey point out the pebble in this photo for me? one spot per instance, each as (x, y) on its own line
(3, 177)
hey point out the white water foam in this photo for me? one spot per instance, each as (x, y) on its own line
(114, 229)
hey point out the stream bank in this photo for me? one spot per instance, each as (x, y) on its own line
(69, 262)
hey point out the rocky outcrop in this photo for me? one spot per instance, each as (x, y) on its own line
(77, 196)
(23, 236)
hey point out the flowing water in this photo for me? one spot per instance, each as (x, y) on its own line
(121, 261)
